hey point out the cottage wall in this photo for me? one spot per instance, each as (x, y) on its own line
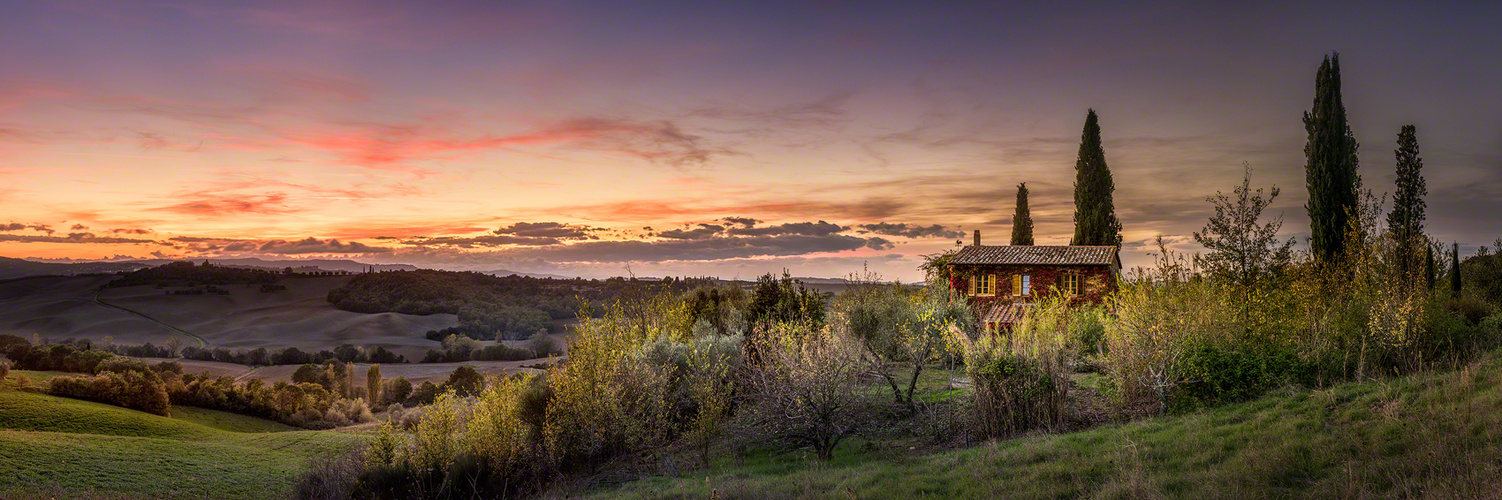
(1095, 281)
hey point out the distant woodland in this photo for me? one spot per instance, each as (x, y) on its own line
(187, 273)
(510, 307)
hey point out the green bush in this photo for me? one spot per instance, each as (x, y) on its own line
(1217, 374)
(1015, 393)
(130, 389)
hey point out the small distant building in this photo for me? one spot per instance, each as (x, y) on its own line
(1004, 280)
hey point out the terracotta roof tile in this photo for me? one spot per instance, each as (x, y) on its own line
(1031, 254)
(1006, 313)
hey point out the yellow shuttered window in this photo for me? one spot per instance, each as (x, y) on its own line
(1070, 284)
(984, 284)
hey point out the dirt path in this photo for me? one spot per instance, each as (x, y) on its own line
(201, 342)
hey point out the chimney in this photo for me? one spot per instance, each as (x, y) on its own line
(977, 237)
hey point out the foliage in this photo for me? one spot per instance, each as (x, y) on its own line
(1456, 282)
(262, 357)
(511, 307)
(464, 382)
(138, 390)
(1330, 165)
(395, 390)
(1482, 274)
(1217, 373)
(635, 380)
(1242, 248)
(460, 348)
(806, 387)
(1095, 221)
(186, 273)
(894, 325)
(373, 384)
(1158, 316)
(1406, 220)
(1022, 219)
(785, 300)
(723, 308)
(1433, 435)
(1021, 380)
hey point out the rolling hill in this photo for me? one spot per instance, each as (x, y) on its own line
(62, 448)
(60, 307)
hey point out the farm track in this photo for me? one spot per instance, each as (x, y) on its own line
(201, 342)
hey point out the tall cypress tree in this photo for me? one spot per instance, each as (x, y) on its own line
(1455, 268)
(1330, 165)
(1429, 266)
(1022, 221)
(1095, 220)
(1406, 221)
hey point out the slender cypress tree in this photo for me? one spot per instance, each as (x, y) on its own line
(1022, 221)
(1330, 165)
(1095, 220)
(1406, 221)
(1455, 268)
(1429, 270)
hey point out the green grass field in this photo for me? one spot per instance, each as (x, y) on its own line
(56, 447)
(1435, 436)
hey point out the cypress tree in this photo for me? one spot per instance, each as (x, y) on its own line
(373, 385)
(1455, 269)
(1330, 165)
(1095, 220)
(1406, 221)
(1429, 270)
(1022, 221)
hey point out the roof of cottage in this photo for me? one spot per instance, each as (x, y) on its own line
(1037, 254)
(1006, 313)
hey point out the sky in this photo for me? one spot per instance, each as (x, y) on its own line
(702, 138)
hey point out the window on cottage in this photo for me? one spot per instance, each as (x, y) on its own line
(983, 285)
(1070, 284)
(1022, 284)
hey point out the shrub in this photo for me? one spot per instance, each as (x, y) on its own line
(1217, 374)
(424, 394)
(806, 388)
(1015, 393)
(465, 381)
(396, 390)
(1021, 380)
(1158, 317)
(131, 389)
(4, 369)
(542, 345)
(1087, 331)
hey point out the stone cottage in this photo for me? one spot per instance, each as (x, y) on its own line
(1004, 280)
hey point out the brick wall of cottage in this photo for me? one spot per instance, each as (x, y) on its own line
(1095, 281)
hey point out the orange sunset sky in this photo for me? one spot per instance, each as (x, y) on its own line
(696, 138)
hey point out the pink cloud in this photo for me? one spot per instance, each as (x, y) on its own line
(391, 147)
(207, 204)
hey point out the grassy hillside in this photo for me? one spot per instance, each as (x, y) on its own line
(1437, 436)
(59, 447)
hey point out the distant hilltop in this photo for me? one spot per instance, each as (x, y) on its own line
(19, 268)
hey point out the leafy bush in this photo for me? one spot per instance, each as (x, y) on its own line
(395, 390)
(1021, 380)
(807, 389)
(139, 390)
(1217, 374)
